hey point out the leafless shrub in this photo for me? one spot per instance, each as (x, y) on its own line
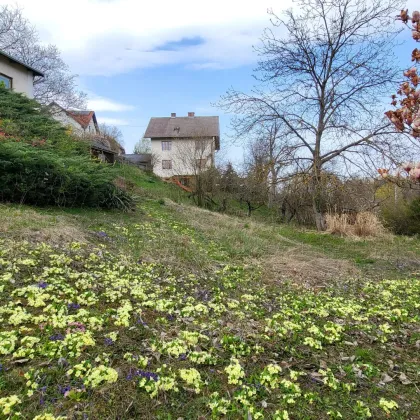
(364, 224)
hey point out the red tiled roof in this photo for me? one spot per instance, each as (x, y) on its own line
(81, 117)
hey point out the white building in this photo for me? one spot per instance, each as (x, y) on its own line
(84, 124)
(183, 146)
(79, 122)
(17, 76)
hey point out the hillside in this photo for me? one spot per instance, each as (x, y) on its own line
(175, 312)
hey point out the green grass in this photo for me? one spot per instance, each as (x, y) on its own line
(264, 315)
(149, 185)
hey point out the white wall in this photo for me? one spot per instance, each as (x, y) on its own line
(183, 155)
(91, 129)
(64, 119)
(59, 115)
(22, 77)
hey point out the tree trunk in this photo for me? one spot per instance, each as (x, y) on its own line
(199, 192)
(273, 187)
(317, 194)
(249, 208)
(319, 218)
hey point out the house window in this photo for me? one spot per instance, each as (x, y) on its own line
(200, 145)
(166, 164)
(201, 163)
(166, 145)
(6, 81)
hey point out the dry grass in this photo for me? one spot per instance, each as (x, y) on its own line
(29, 224)
(365, 224)
(307, 268)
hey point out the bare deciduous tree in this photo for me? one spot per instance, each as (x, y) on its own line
(143, 146)
(19, 39)
(267, 147)
(14, 28)
(113, 135)
(322, 81)
(253, 189)
(193, 157)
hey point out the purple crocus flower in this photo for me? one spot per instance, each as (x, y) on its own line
(102, 234)
(64, 389)
(73, 306)
(148, 375)
(142, 374)
(140, 321)
(108, 341)
(57, 337)
(43, 285)
(42, 397)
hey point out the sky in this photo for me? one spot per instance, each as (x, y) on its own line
(142, 59)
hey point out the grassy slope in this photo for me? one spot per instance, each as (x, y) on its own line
(190, 289)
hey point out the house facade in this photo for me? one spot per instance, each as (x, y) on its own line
(84, 124)
(17, 76)
(79, 122)
(182, 147)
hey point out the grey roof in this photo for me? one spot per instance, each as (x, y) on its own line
(138, 158)
(100, 144)
(34, 71)
(184, 127)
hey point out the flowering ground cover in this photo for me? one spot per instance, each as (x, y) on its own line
(94, 329)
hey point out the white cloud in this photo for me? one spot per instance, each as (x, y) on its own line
(103, 104)
(112, 121)
(106, 37)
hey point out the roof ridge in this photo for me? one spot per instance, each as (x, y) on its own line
(34, 71)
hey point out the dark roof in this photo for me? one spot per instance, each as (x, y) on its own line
(101, 143)
(184, 127)
(138, 158)
(34, 71)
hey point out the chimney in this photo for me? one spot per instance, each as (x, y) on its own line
(191, 114)
(173, 115)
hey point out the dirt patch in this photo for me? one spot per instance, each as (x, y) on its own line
(306, 268)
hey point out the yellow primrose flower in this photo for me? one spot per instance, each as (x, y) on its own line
(7, 404)
(235, 372)
(387, 405)
(192, 377)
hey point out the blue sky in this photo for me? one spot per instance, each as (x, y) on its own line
(138, 60)
(161, 91)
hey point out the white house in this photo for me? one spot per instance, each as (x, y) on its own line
(79, 122)
(17, 76)
(84, 124)
(183, 146)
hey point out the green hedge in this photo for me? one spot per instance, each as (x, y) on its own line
(25, 120)
(403, 217)
(38, 176)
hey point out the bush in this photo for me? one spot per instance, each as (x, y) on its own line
(24, 120)
(403, 216)
(38, 176)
